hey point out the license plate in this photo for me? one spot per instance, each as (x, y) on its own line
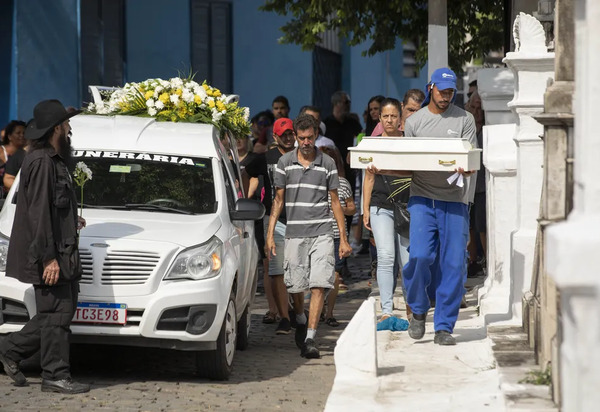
(95, 312)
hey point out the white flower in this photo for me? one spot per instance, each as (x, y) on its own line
(246, 113)
(201, 92)
(159, 105)
(158, 89)
(187, 96)
(152, 111)
(216, 115)
(83, 168)
(174, 98)
(150, 102)
(176, 82)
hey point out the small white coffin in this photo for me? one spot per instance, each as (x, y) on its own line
(415, 153)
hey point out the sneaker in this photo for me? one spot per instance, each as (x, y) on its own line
(12, 370)
(310, 350)
(474, 270)
(67, 386)
(416, 329)
(300, 335)
(443, 337)
(284, 327)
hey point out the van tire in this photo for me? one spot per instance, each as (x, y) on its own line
(243, 328)
(217, 364)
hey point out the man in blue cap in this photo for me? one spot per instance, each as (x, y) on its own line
(439, 217)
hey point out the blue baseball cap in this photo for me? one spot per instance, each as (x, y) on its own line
(444, 79)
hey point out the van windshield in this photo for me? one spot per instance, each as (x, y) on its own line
(148, 182)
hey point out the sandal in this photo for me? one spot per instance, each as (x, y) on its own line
(385, 316)
(269, 317)
(332, 322)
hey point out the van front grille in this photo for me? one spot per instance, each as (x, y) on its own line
(87, 262)
(123, 267)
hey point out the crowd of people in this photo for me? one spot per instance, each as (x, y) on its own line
(430, 261)
(299, 169)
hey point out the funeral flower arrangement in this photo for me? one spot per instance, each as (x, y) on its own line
(176, 100)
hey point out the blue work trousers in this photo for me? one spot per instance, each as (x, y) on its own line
(439, 232)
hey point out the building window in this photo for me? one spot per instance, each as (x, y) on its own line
(102, 44)
(409, 63)
(212, 44)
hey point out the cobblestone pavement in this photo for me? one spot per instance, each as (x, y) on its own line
(269, 376)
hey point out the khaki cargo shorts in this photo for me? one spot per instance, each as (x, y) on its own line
(308, 263)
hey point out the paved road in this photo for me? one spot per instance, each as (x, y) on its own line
(269, 376)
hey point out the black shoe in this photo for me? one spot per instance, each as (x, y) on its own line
(416, 328)
(292, 316)
(443, 337)
(64, 386)
(12, 370)
(474, 270)
(284, 327)
(300, 335)
(309, 350)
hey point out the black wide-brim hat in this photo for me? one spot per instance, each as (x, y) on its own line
(46, 115)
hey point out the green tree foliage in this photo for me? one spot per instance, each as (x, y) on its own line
(474, 26)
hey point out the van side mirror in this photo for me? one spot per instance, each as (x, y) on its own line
(247, 209)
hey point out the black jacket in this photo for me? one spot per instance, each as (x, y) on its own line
(45, 224)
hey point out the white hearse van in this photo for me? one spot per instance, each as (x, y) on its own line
(169, 255)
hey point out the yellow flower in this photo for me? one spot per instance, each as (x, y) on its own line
(164, 98)
(216, 92)
(211, 104)
(205, 86)
(197, 99)
(149, 94)
(178, 92)
(220, 106)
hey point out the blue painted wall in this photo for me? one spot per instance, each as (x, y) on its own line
(379, 74)
(39, 56)
(46, 64)
(158, 38)
(263, 68)
(6, 35)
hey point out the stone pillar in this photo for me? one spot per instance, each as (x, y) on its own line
(533, 67)
(496, 88)
(557, 190)
(572, 246)
(500, 160)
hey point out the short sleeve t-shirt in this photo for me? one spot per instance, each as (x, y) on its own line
(344, 192)
(453, 123)
(306, 192)
(14, 162)
(264, 165)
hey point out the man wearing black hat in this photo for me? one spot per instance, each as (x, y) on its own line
(43, 251)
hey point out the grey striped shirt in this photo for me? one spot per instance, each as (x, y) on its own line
(306, 192)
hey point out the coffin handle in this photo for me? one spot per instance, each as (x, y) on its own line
(365, 159)
(447, 162)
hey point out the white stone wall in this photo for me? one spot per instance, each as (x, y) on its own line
(572, 246)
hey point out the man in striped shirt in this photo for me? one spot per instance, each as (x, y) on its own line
(304, 177)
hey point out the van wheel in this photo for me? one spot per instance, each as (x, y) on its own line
(243, 328)
(217, 364)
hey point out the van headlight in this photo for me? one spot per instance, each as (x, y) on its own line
(199, 262)
(3, 253)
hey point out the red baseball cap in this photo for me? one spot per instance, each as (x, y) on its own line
(281, 125)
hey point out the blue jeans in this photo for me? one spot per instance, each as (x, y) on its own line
(438, 258)
(392, 254)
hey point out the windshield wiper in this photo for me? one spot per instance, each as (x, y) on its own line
(156, 207)
(93, 206)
